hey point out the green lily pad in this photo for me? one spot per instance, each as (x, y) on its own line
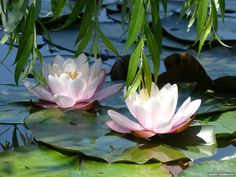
(212, 168)
(14, 103)
(87, 133)
(36, 162)
(223, 122)
(100, 169)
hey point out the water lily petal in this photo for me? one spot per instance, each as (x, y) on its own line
(81, 60)
(123, 121)
(59, 60)
(130, 101)
(47, 69)
(186, 113)
(30, 87)
(162, 110)
(70, 66)
(56, 69)
(143, 134)
(143, 116)
(39, 91)
(95, 69)
(64, 101)
(55, 85)
(89, 90)
(154, 90)
(76, 88)
(106, 92)
(101, 77)
(116, 127)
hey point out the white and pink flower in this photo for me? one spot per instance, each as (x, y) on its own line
(72, 83)
(154, 114)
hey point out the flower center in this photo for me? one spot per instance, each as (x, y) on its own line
(73, 75)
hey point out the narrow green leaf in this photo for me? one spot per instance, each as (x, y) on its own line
(164, 4)
(135, 84)
(28, 31)
(79, 5)
(95, 44)
(23, 58)
(222, 9)
(26, 71)
(45, 30)
(4, 39)
(108, 43)
(84, 40)
(86, 20)
(137, 18)
(38, 5)
(25, 44)
(219, 40)
(133, 63)
(38, 53)
(156, 23)
(147, 74)
(57, 7)
(39, 77)
(153, 49)
(214, 15)
(206, 32)
(202, 16)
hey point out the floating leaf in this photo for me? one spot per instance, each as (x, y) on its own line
(83, 132)
(100, 169)
(222, 122)
(37, 162)
(212, 168)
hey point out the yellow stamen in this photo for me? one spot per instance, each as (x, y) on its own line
(73, 75)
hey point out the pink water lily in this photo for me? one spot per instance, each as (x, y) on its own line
(72, 83)
(154, 114)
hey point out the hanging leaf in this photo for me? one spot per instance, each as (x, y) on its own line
(154, 50)
(202, 15)
(25, 44)
(57, 7)
(108, 43)
(86, 20)
(84, 41)
(147, 74)
(134, 59)
(136, 22)
(79, 5)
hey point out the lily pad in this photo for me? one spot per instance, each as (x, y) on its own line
(100, 169)
(80, 131)
(223, 122)
(36, 162)
(212, 168)
(14, 103)
(178, 29)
